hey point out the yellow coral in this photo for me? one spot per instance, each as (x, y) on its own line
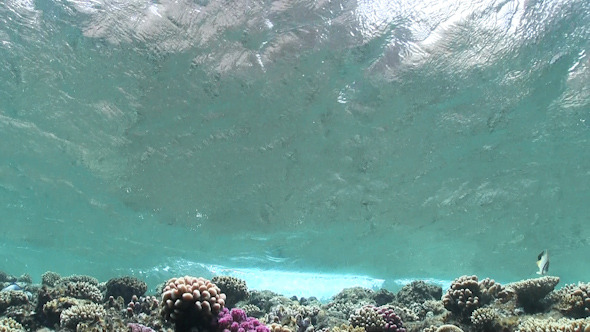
(10, 325)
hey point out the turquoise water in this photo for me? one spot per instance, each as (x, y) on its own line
(386, 140)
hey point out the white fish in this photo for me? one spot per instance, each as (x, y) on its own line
(543, 262)
(12, 287)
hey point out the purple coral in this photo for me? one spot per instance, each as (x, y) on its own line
(134, 327)
(392, 321)
(237, 321)
(380, 319)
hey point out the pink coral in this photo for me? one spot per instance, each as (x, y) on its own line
(237, 321)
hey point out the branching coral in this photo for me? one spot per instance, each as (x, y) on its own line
(77, 278)
(467, 294)
(552, 325)
(50, 278)
(462, 298)
(10, 325)
(12, 298)
(237, 321)
(485, 319)
(83, 290)
(377, 319)
(74, 315)
(574, 300)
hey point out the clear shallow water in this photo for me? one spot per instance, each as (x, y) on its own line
(391, 141)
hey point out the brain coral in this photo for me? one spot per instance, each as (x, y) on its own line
(191, 302)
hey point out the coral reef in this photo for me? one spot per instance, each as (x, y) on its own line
(485, 319)
(10, 325)
(12, 298)
(418, 292)
(574, 300)
(50, 278)
(467, 294)
(88, 313)
(135, 327)
(125, 287)
(383, 296)
(290, 314)
(145, 305)
(274, 327)
(346, 328)
(83, 290)
(52, 310)
(377, 319)
(236, 320)
(350, 299)
(79, 303)
(252, 310)
(262, 299)
(530, 293)
(443, 328)
(552, 325)
(234, 288)
(78, 278)
(191, 302)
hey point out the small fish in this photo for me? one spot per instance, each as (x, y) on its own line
(543, 262)
(12, 287)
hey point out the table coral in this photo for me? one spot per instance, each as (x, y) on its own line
(530, 293)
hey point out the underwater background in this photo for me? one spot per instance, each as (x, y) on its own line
(370, 141)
